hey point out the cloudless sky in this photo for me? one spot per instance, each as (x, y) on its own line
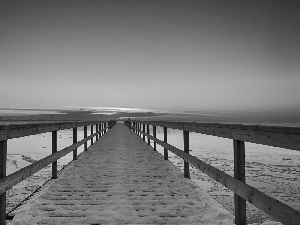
(210, 55)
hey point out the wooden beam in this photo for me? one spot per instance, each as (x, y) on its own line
(85, 135)
(74, 142)
(148, 133)
(91, 134)
(283, 137)
(154, 135)
(3, 160)
(144, 126)
(186, 149)
(11, 180)
(276, 209)
(22, 130)
(166, 153)
(97, 129)
(54, 149)
(239, 173)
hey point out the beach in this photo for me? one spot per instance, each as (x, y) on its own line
(272, 170)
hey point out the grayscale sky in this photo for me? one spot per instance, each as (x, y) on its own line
(210, 55)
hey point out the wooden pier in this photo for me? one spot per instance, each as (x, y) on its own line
(121, 180)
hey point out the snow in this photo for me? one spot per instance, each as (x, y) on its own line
(121, 180)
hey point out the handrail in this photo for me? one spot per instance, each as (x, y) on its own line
(271, 206)
(14, 131)
(283, 137)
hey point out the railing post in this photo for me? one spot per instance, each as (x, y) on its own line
(186, 147)
(91, 134)
(54, 149)
(239, 173)
(148, 132)
(97, 129)
(85, 136)
(166, 155)
(3, 160)
(144, 131)
(100, 135)
(75, 141)
(154, 135)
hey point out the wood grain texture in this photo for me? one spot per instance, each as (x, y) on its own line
(276, 209)
(283, 137)
(22, 130)
(9, 181)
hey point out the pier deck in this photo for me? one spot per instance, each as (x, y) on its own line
(121, 180)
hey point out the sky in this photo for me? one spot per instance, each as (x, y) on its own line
(209, 55)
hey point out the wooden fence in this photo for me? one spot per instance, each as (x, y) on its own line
(16, 131)
(284, 137)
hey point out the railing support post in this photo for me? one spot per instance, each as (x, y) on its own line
(144, 132)
(97, 129)
(3, 159)
(239, 173)
(85, 136)
(101, 130)
(91, 134)
(186, 147)
(54, 149)
(75, 141)
(154, 135)
(166, 155)
(148, 132)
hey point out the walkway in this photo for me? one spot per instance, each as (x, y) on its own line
(121, 180)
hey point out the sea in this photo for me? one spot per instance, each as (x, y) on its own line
(274, 171)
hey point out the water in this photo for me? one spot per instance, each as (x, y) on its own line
(274, 171)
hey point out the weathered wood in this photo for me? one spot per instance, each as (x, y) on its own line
(75, 141)
(144, 126)
(3, 160)
(154, 135)
(97, 129)
(148, 133)
(186, 149)
(276, 209)
(92, 134)
(21, 130)
(239, 173)
(11, 180)
(166, 153)
(54, 149)
(101, 128)
(284, 137)
(85, 135)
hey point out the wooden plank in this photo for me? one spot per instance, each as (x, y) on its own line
(166, 153)
(85, 135)
(11, 180)
(97, 129)
(186, 149)
(154, 135)
(144, 126)
(54, 149)
(3, 160)
(239, 173)
(22, 130)
(282, 137)
(276, 209)
(92, 134)
(148, 133)
(74, 142)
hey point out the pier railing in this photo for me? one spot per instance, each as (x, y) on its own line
(15, 131)
(284, 137)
